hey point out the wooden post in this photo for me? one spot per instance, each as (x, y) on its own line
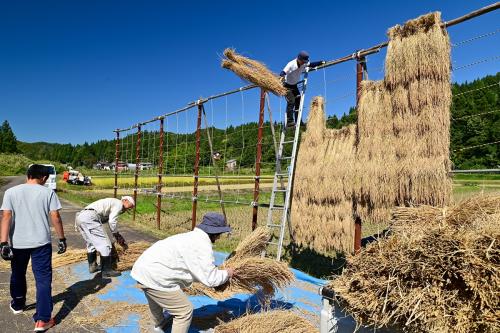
(258, 159)
(359, 77)
(117, 157)
(160, 174)
(137, 162)
(196, 166)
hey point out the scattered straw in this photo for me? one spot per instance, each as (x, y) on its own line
(253, 71)
(434, 274)
(277, 321)
(69, 257)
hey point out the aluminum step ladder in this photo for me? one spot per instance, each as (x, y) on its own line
(278, 217)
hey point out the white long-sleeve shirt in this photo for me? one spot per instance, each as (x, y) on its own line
(293, 72)
(108, 210)
(177, 261)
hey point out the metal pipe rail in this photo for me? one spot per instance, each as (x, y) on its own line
(375, 49)
(356, 55)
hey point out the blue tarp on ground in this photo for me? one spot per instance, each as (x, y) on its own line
(302, 294)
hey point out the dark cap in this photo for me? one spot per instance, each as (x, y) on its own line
(214, 223)
(303, 55)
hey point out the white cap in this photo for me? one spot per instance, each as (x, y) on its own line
(129, 199)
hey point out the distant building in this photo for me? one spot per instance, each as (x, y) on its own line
(101, 166)
(231, 165)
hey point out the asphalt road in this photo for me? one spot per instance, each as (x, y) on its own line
(67, 304)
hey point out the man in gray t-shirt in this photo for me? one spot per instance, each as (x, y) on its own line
(28, 211)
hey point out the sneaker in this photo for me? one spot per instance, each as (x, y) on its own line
(14, 311)
(41, 326)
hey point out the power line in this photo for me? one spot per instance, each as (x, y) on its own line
(476, 63)
(482, 88)
(477, 146)
(477, 114)
(466, 41)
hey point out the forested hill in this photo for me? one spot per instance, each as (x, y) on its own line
(475, 122)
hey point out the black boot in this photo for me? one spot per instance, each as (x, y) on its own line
(92, 259)
(107, 270)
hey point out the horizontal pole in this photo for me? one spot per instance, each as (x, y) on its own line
(475, 171)
(356, 55)
(375, 49)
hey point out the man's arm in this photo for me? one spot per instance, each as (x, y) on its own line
(316, 63)
(202, 268)
(5, 228)
(55, 217)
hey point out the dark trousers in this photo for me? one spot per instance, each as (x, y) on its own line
(41, 262)
(292, 102)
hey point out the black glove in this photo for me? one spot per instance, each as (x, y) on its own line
(6, 251)
(61, 246)
(120, 240)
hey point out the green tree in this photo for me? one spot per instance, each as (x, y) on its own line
(8, 141)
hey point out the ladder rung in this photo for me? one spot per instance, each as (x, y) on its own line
(274, 225)
(286, 158)
(278, 190)
(291, 141)
(281, 174)
(278, 207)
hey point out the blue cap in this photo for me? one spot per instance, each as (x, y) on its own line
(303, 55)
(214, 223)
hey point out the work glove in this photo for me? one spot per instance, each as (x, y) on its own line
(61, 246)
(120, 240)
(6, 251)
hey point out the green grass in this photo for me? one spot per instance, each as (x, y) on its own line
(176, 217)
(477, 176)
(17, 164)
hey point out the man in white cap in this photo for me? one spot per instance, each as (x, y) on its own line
(98, 226)
(173, 264)
(291, 76)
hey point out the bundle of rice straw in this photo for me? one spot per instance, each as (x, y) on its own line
(322, 210)
(376, 173)
(253, 272)
(253, 71)
(277, 321)
(432, 275)
(129, 256)
(252, 245)
(417, 76)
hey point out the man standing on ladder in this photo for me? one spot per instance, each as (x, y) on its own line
(291, 76)
(97, 225)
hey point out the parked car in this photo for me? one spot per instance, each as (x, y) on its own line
(52, 181)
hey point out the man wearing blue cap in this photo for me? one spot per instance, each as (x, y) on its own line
(173, 264)
(291, 75)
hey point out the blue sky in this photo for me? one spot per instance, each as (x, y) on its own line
(72, 71)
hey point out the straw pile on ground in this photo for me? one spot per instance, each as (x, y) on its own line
(438, 273)
(278, 321)
(253, 272)
(322, 207)
(253, 71)
(71, 256)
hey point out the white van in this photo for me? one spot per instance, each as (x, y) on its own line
(52, 181)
